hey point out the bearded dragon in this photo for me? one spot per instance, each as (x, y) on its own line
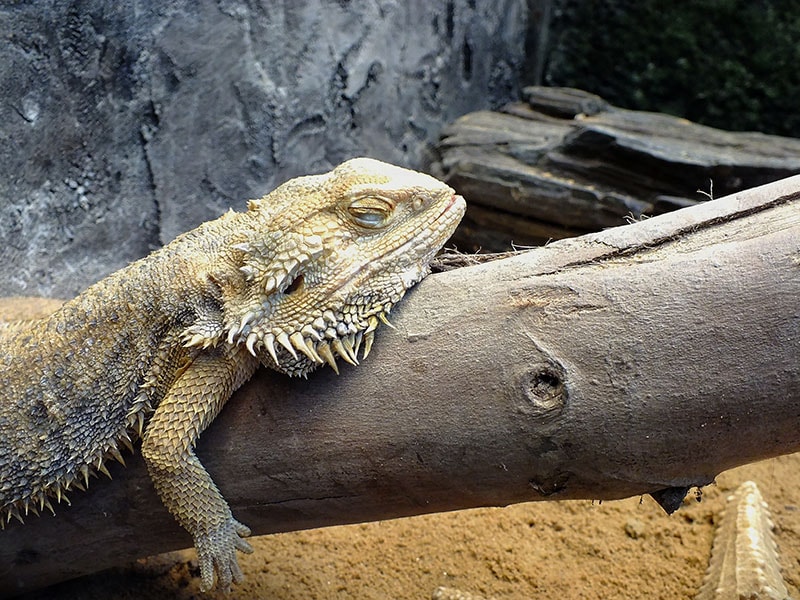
(153, 351)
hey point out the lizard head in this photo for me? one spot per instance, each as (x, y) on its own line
(326, 258)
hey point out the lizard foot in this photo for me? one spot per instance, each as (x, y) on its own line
(216, 552)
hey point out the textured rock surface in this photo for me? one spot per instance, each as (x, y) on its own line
(565, 162)
(125, 124)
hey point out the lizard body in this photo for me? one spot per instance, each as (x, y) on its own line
(154, 351)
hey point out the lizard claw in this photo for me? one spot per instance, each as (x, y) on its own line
(216, 553)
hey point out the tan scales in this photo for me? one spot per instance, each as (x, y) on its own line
(744, 561)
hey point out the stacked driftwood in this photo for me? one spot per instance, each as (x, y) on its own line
(565, 162)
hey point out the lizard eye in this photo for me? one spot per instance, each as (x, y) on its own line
(371, 212)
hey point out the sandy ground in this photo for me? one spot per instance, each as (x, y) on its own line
(566, 550)
(573, 549)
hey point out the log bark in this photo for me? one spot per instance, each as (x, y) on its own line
(640, 359)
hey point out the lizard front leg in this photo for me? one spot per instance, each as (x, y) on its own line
(183, 484)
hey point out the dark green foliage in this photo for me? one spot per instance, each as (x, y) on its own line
(732, 64)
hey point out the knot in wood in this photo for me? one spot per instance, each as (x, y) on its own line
(544, 388)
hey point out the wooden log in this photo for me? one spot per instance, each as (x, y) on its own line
(645, 358)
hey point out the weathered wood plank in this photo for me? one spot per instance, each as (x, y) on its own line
(567, 159)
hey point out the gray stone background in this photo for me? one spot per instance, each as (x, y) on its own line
(125, 124)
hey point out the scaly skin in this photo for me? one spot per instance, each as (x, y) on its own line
(744, 558)
(156, 349)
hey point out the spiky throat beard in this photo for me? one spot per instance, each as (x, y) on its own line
(343, 327)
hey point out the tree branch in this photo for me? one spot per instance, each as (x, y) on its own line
(641, 359)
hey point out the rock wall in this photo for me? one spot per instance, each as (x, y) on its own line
(124, 124)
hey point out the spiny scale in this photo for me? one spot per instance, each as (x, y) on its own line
(41, 499)
(310, 342)
(283, 340)
(324, 350)
(342, 351)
